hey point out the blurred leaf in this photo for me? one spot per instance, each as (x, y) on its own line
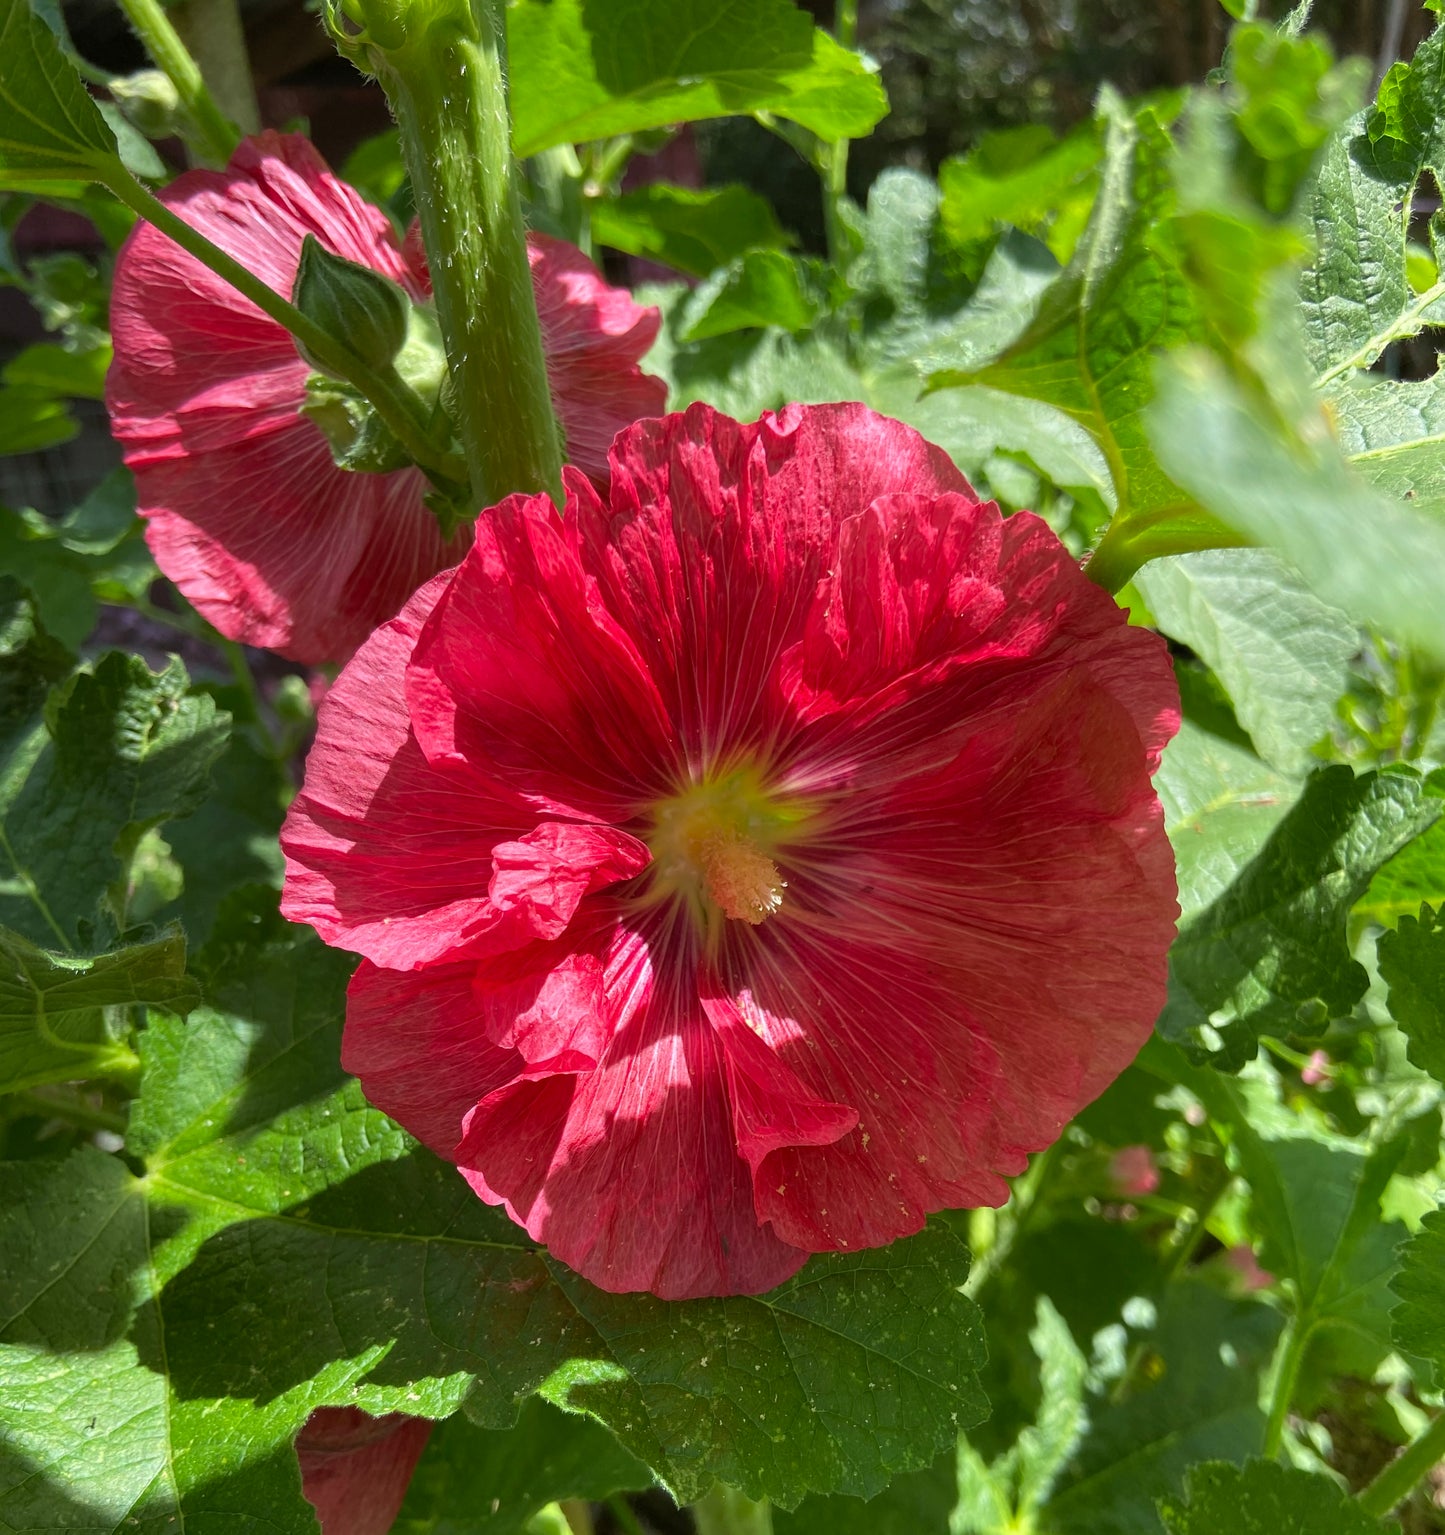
(1018, 176)
(759, 288)
(1419, 1319)
(1220, 805)
(1194, 1396)
(32, 551)
(477, 1481)
(120, 749)
(693, 231)
(1290, 488)
(1281, 653)
(52, 1022)
(51, 126)
(1269, 955)
(918, 1503)
(75, 374)
(32, 420)
(1263, 1498)
(591, 70)
(1008, 1495)
(1412, 964)
(1415, 874)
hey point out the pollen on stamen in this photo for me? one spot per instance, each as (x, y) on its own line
(743, 882)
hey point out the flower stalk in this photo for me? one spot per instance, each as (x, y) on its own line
(1399, 1479)
(215, 135)
(442, 64)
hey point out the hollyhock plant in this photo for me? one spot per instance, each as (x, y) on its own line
(355, 1469)
(755, 859)
(246, 509)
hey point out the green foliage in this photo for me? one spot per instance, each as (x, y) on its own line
(1419, 1319)
(1262, 1498)
(1281, 654)
(1412, 964)
(695, 232)
(51, 126)
(589, 71)
(107, 757)
(53, 1022)
(1269, 955)
(477, 1481)
(760, 288)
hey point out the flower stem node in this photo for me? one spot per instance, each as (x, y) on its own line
(358, 307)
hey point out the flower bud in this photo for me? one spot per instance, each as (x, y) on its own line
(358, 308)
(149, 101)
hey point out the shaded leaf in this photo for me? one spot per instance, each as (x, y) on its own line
(759, 288)
(53, 1026)
(693, 231)
(1263, 1498)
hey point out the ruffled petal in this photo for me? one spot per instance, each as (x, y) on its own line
(588, 739)
(386, 853)
(630, 1172)
(418, 1041)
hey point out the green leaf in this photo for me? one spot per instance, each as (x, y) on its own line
(477, 1481)
(32, 550)
(1289, 487)
(1281, 653)
(120, 750)
(1020, 176)
(58, 369)
(1263, 1498)
(1220, 805)
(1419, 1319)
(1415, 875)
(1009, 1494)
(759, 288)
(919, 1503)
(693, 231)
(590, 70)
(297, 1249)
(51, 126)
(32, 420)
(1090, 350)
(53, 1026)
(1195, 1397)
(1412, 964)
(1269, 955)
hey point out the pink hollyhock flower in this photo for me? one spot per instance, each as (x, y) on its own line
(1244, 1271)
(1316, 1069)
(748, 863)
(355, 1469)
(245, 509)
(1132, 1172)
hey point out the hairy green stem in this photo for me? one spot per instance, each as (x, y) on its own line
(1130, 543)
(401, 409)
(1297, 1335)
(1399, 1478)
(216, 135)
(442, 64)
(726, 1511)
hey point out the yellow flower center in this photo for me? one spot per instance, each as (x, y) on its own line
(715, 843)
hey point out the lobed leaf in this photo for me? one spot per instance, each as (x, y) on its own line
(1412, 964)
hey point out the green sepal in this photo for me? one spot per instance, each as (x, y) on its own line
(362, 310)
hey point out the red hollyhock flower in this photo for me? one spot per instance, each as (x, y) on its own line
(751, 862)
(245, 509)
(355, 1469)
